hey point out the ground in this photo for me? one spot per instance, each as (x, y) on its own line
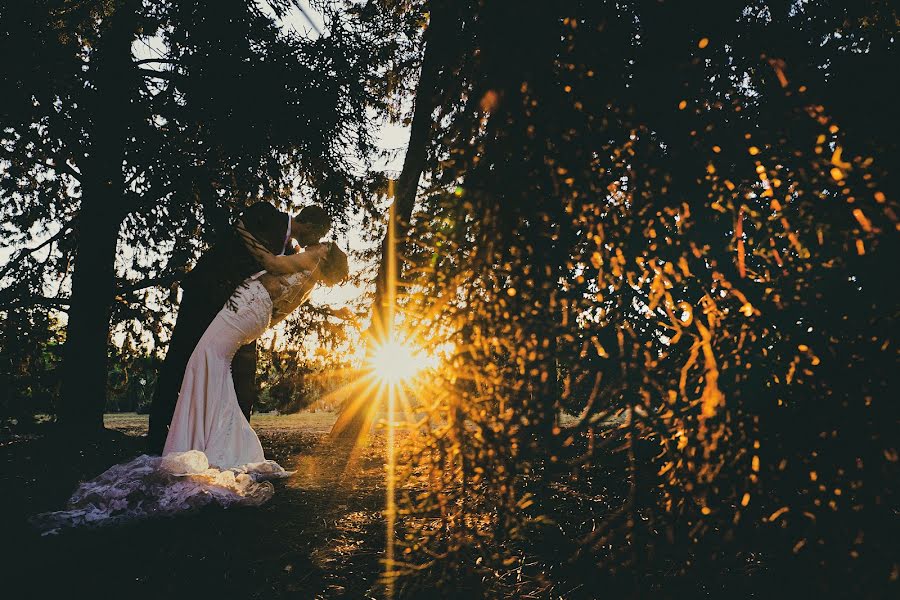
(321, 536)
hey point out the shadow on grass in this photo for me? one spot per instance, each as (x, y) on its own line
(321, 536)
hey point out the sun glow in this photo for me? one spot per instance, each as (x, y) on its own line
(394, 362)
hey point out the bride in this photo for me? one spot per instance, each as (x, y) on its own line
(207, 416)
(211, 453)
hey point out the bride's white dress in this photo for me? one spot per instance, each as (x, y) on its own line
(207, 416)
(212, 455)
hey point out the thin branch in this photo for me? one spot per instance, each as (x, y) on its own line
(327, 311)
(309, 19)
(126, 288)
(133, 178)
(65, 167)
(147, 61)
(50, 161)
(28, 251)
(159, 74)
(57, 303)
(121, 292)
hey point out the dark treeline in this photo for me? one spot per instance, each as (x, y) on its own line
(657, 236)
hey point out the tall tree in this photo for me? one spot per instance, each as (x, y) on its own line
(102, 210)
(440, 52)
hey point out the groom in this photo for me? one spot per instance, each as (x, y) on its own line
(208, 286)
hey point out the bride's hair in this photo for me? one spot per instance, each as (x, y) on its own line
(334, 267)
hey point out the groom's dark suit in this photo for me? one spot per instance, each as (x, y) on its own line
(206, 289)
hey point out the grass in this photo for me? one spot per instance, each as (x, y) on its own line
(321, 536)
(303, 422)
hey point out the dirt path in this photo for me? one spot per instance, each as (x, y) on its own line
(321, 536)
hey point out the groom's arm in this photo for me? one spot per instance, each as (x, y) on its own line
(277, 265)
(255, 248)
(267, 224)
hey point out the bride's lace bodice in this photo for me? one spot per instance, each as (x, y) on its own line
(264, 300)
(287, 293)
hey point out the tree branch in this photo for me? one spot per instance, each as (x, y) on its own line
(161, 281)
(124, 289)
(133, 178)
(28, 251)
(146, 61)
(57, 303)
(65, 167)
(169, 75)
(327, 311)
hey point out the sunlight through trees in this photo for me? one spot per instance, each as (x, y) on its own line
(632, 305)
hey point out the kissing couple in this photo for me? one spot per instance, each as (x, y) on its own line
(199, 420)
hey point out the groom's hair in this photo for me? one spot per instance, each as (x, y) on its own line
(314, 215)
(335, 267)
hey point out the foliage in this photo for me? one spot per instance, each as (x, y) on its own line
(307, 361)
(216, 105)
(657, 240)
(291, 384)
(212, 111)
(29, 354)
(132, 379)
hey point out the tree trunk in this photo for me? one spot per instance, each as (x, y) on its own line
(83, 394)
(87, 333)
(436, 39)
(519, 66)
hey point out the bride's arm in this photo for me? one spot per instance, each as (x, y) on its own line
(303, 261)
(280, 265)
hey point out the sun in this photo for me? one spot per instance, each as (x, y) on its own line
(394, 362)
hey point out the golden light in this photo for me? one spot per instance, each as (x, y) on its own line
(394, 362)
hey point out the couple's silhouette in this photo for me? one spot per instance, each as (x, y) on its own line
(199, 420)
